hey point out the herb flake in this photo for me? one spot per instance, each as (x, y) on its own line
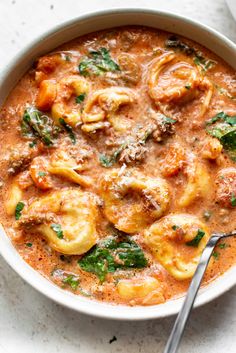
(216, 255)
(18, 210)
(42, 174)
(69, 130)
(72, 281)
(195, 241)
(57, 229)
(79, 99)
(233, 200)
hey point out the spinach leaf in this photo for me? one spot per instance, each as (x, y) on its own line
(112, 254)
(57, 229)
(72, 281)
(97, 62)
(224, 131)
(29, 245)
(108, 161)
(222, 116)
(233, 200)
(195, 241)
(173, 42)
(223, 245)
(69, 130)
(36, 124)
(19, 208)
(79, 99)
(167, 120)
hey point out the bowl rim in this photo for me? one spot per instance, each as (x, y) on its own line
(79, 303)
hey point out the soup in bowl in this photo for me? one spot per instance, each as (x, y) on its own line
(118, 163)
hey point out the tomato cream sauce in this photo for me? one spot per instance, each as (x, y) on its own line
(123, 136)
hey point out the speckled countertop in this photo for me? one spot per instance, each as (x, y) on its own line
(29, 322)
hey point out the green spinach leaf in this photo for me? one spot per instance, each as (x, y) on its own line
(18, 210)
(37, 124)
(79, 99)
(72, 281)
(112, 254)
(97, 63)
(57, 229)
(69, 130)
(195, 242)
(224, 131)
(173, 42)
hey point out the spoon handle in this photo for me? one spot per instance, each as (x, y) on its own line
(182, 318)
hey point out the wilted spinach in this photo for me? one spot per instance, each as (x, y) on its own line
(175, 43)
(97, 62)
(112, 254)
(224, 131)
(196, 240)
(37, 124)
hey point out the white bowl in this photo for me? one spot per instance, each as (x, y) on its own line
(204, 35)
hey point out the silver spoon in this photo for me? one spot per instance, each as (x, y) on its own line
(182, 318)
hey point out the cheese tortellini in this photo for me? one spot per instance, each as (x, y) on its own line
(14, 196)
(66, 218)
(177, 242)
(145, 291)
(132, 201)
(101, 106)
(177, 81)
(63, 165)
(66, 88)
(198, 184)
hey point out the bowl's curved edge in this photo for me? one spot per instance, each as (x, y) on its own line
(40, 283)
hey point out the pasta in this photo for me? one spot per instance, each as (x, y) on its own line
(149, 203)
(74, 211)
(141, 291)
(102, 105)
(170, 241)
(66, 87)
(178, 82)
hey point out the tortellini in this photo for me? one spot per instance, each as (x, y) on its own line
(198, 184)
(212, 148)
(101, 106)
(132, 200)
(177, 81)
(63, 165)
(226, 187)
(72, 212)
(177, 242)
(14, 196)
(198, 179)
(145, 291)
(66, 88)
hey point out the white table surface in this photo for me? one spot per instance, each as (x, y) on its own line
(31, 323)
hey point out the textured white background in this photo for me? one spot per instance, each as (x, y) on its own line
(29, 322)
